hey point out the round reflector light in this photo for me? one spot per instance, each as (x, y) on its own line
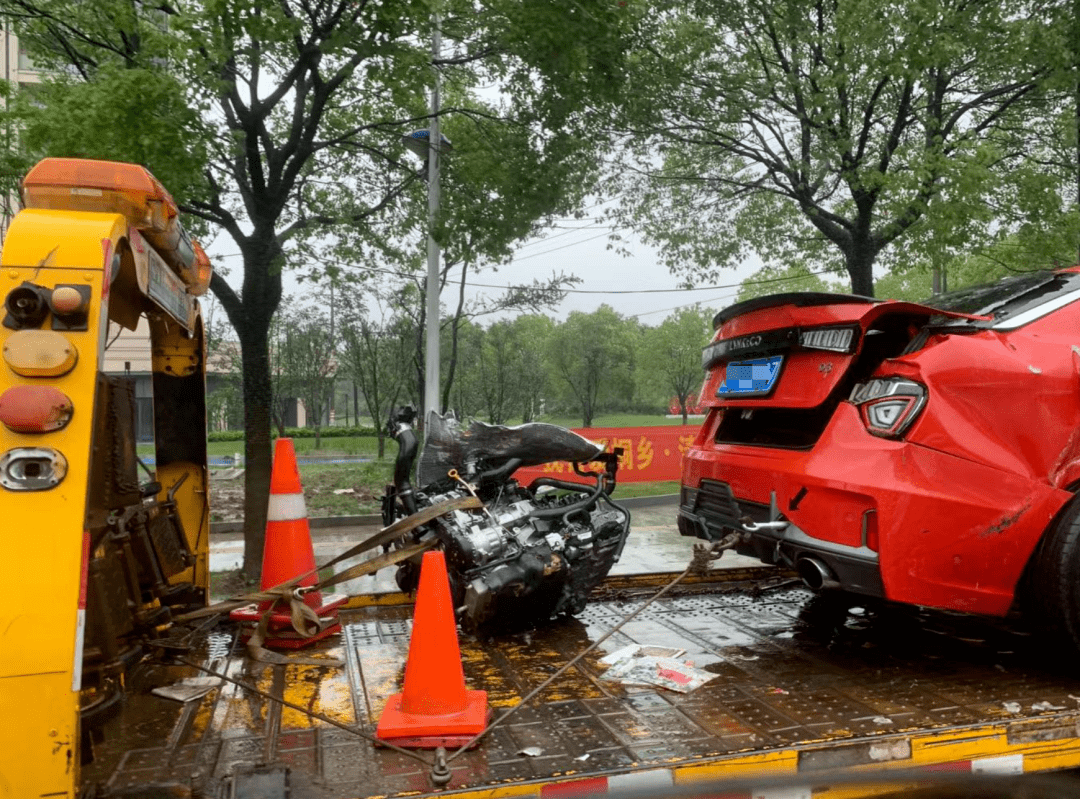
(34, 409)
(67, 300)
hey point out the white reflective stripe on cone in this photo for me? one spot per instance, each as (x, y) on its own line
(286, 508)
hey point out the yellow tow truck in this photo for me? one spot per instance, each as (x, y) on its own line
(96, 553)
(810, 695)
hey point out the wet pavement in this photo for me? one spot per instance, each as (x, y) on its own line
(654, 545)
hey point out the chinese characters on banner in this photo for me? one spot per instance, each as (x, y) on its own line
(649, 453)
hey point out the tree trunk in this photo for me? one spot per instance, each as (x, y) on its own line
(859, 259)
(250, 313)
(254, 349)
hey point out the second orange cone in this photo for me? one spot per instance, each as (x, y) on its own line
(287, 554)
(434, 708)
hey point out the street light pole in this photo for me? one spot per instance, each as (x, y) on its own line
(431, 373)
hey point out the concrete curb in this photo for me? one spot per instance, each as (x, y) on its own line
(329, 522)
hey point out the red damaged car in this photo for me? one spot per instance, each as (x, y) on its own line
(924, 453)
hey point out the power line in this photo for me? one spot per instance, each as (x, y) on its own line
(563, 247)
(522, 287)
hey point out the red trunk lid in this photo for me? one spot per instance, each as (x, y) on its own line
(794, 350)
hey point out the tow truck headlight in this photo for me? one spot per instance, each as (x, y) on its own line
(888, 406)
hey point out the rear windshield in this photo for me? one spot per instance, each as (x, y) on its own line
(1009, 297)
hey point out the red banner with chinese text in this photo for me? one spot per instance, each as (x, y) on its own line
(649, 454)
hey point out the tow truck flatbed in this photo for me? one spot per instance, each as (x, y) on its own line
(807, 686)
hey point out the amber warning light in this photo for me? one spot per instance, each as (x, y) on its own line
(77, 184)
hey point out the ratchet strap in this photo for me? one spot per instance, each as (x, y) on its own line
(304, 619)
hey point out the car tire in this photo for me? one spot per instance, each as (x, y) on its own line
(1050, 593)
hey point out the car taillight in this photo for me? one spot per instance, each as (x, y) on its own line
(834, 339)
(888, 406)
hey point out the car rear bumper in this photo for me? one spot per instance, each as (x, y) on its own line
(854, 568)
(950, 532)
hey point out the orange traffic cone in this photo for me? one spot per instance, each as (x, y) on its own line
(433, 709)
(288, 553)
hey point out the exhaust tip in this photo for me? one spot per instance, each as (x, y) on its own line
(815, 574)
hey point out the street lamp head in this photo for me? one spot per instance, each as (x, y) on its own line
(418, 140)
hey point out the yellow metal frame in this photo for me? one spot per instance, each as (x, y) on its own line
(45, 533)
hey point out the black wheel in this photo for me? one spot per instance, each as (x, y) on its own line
(1050, 591)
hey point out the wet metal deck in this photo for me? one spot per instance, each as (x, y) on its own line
(805, 679)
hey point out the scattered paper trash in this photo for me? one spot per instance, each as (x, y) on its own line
(1012, 707)
(188, 689)
(583, 757)
(636, 650)
(1047, 706)
(531, 751)
(641, 665)
(882, 720)
(343, 491)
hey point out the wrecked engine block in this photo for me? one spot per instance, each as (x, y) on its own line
(529, 553)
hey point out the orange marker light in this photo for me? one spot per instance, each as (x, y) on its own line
(35, 409)
(39, 353)
(203, 271)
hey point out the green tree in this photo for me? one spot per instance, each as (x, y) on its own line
(530, 334)
(511, 364)
(466, 399)
(308, 362)
(374, 352)
(819, 132)
(592, 356)
(299, 109)
(671, 353)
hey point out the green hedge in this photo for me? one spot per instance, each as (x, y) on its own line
(298, 432)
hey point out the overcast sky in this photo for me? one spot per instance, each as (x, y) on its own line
(637, 285)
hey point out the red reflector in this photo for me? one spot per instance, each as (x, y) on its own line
(870, 531)
(34, 409)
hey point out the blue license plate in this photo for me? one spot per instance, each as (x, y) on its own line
(751, 378)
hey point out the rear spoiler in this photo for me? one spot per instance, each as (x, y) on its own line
(809, 299)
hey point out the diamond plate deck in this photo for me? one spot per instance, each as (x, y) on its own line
(794, 671)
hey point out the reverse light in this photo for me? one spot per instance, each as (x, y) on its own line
(32, 469)
(888, 406)
(35, 409)
(833, 339)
